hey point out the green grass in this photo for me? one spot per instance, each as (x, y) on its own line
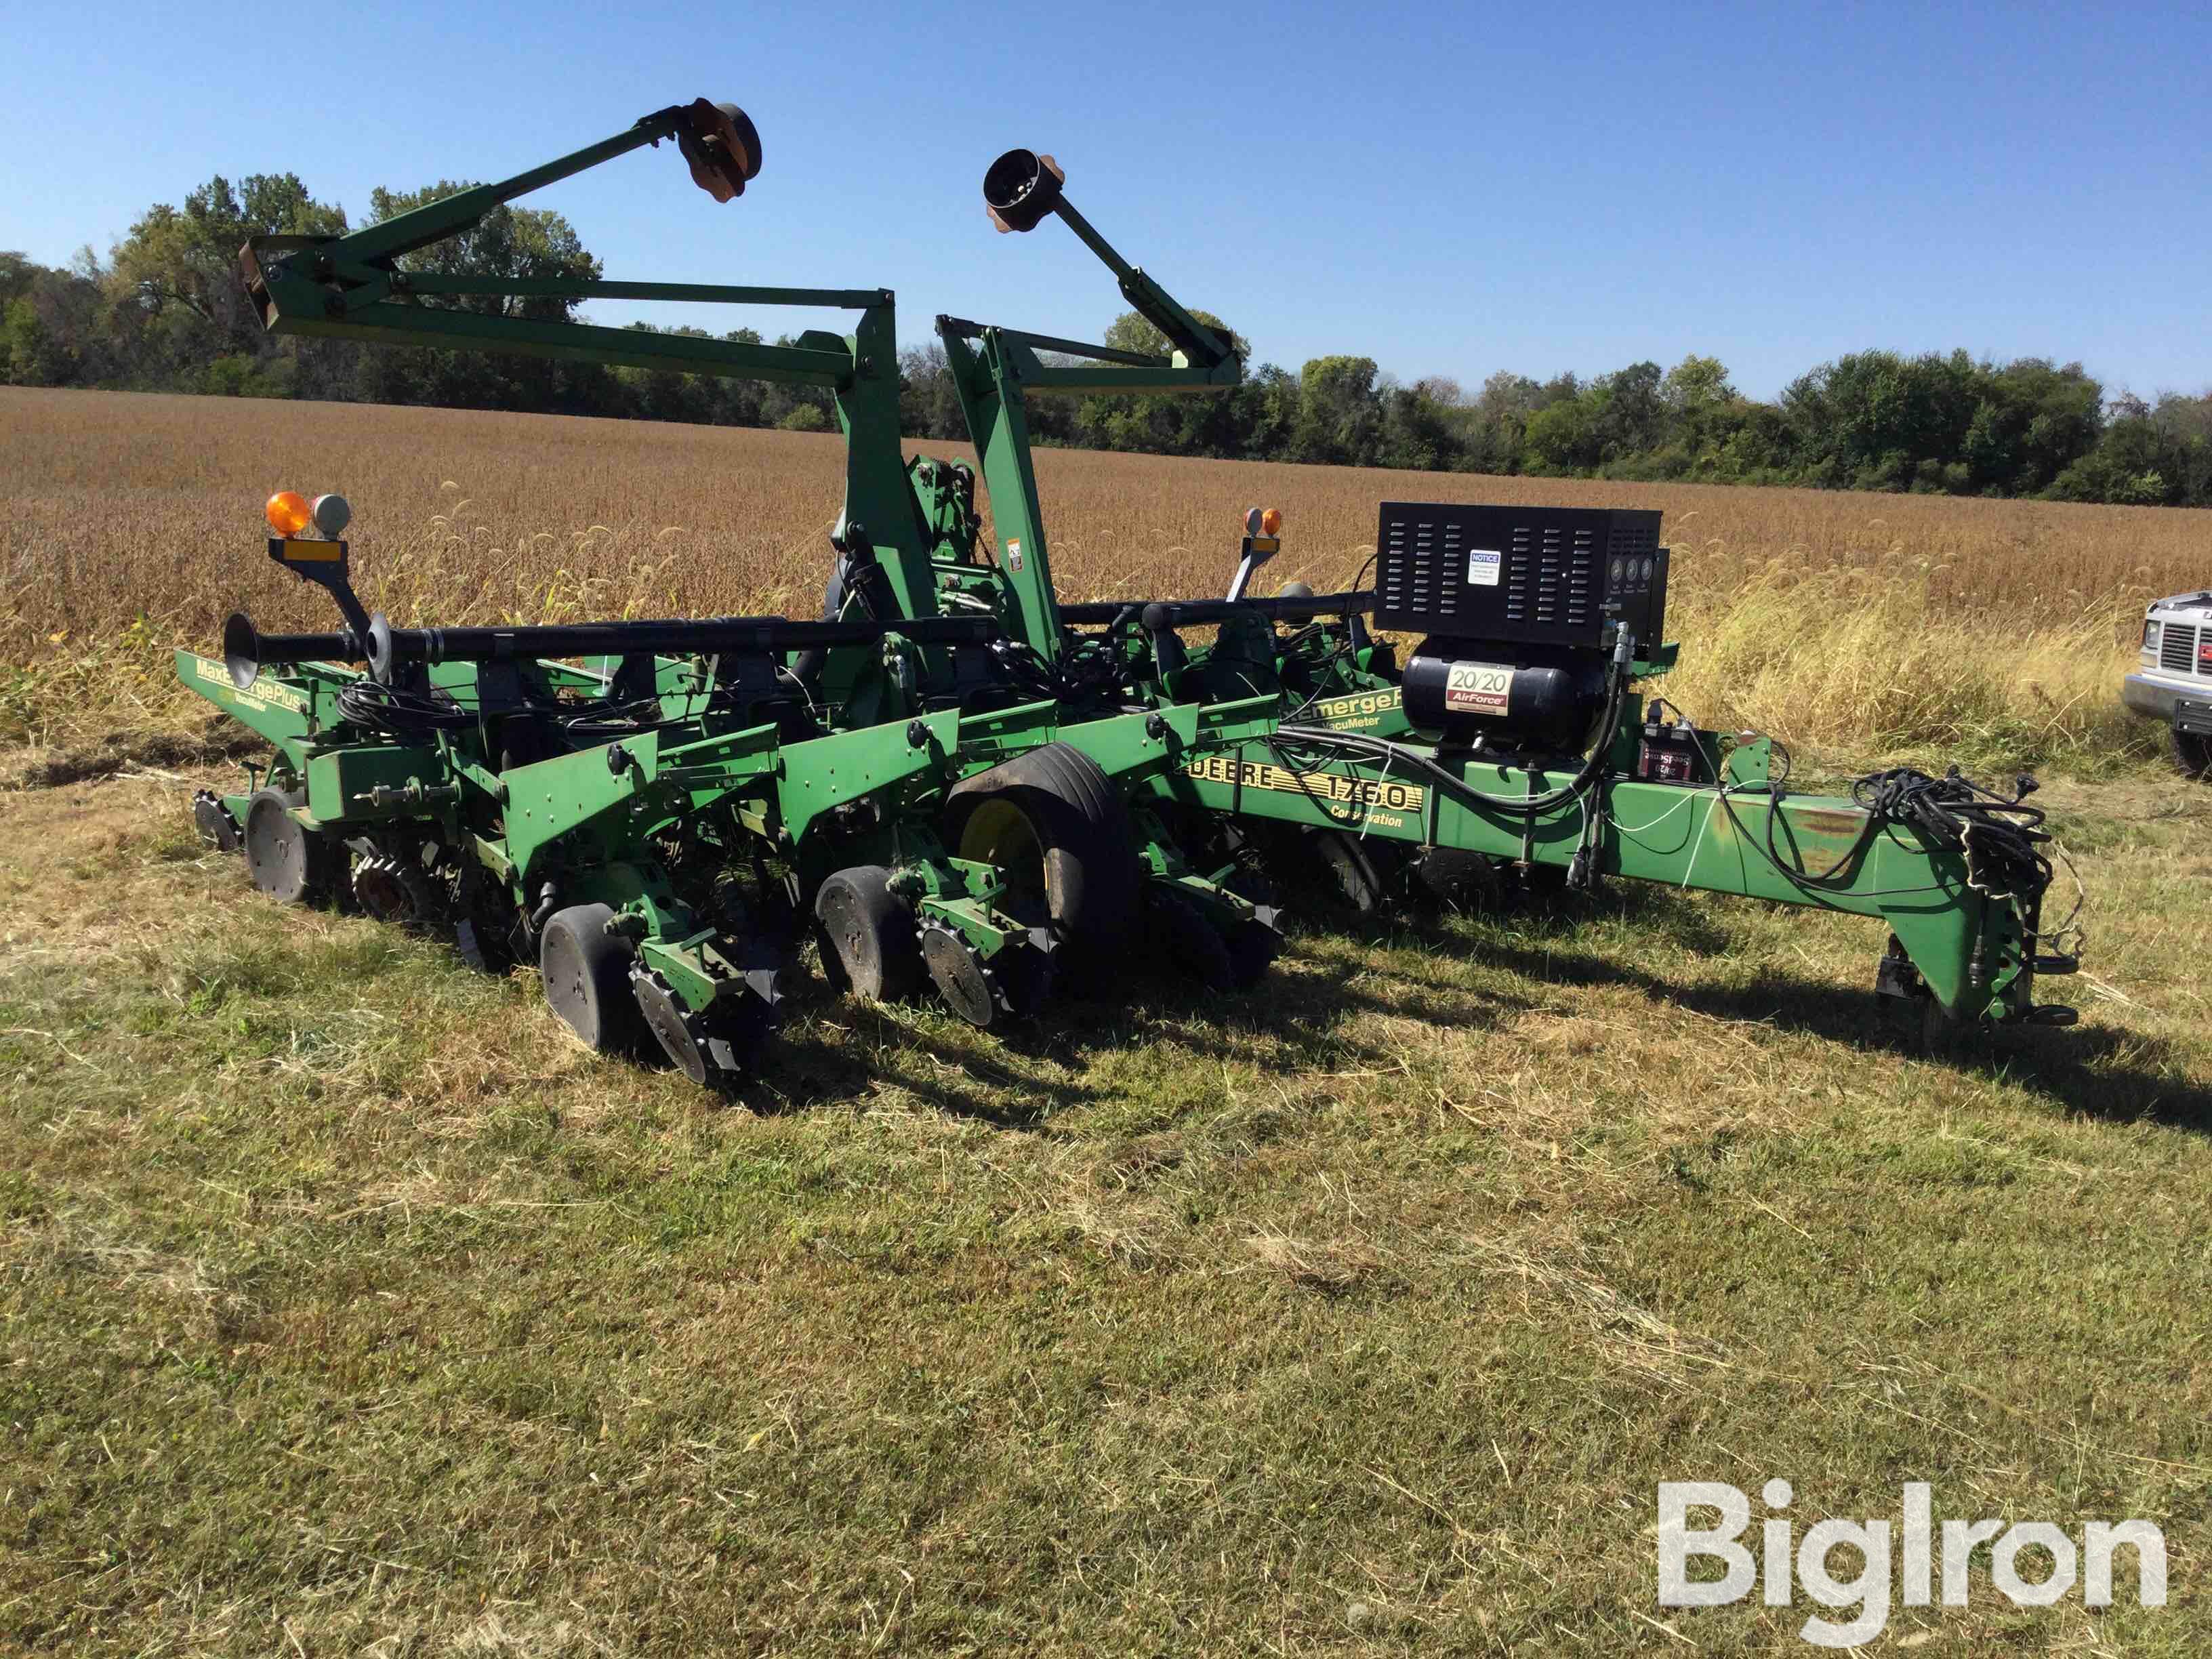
(349, 1307)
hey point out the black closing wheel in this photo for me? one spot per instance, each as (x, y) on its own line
(1052, 822)
(486, 922)
(1011, 986)
(286, 859)
(587, 971)
(1457, 880)
(1358, 870)
(213, 821)
(680, 1032)
(2192, 754)
(1253, 947)
(1179, 936)
(866, 936)
(960, 978)
(392, 883)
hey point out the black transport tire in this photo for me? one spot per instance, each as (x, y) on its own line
(284, 858)
(867, 938)
(586, 972)
(1052, 821)
(2192, 754)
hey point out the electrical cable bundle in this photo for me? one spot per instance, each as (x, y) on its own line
(1329, 664)
(403, 713)
(2001, 839)
(605, 723)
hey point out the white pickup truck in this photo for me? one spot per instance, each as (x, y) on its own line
(2173, 682)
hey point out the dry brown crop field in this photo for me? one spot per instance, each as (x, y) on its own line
(1848, 621)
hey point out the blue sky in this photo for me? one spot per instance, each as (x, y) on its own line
(1448, 189)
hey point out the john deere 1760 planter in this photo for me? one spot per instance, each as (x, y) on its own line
(952, 777)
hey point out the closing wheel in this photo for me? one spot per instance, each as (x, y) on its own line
(1011, 986)
(213, 820)
(485, 933)
(1358, 869)
(392, 883)
(1053, 825)
(286, 859)
(1456, 879)
(708, 1047)
(1178, 933)
(1252, 946)
(866, 936)
(586, 972)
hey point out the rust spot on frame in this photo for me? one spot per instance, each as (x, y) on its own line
(1828, 822)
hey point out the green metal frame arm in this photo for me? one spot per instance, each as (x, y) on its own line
(347, 288)
(1153, 303)
(298, 307)
(449, 215)
(1123, 371)
(1661, 833)
(525, 288)
(991, 402)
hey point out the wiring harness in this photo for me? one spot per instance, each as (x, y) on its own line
(400, 711)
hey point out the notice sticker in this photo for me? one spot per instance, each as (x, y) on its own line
(1483, 564)
(1013, 555)
(1478, 688)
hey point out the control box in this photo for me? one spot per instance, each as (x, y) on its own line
(1531, 575)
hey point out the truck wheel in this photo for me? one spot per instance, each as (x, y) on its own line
(2192, 754)
(1051, 822)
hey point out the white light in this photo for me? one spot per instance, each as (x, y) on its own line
(332, 515)
(2151, 632)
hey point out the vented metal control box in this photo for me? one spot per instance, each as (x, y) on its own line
(1535, 576)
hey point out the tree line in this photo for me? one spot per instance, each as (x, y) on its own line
(165, 312)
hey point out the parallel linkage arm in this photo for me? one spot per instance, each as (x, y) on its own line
(350, 287)
(992, 367)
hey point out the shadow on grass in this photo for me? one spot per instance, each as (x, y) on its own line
(2119, 1076)
(1015, 1078)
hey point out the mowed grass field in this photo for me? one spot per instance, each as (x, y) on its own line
(347, 1306)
